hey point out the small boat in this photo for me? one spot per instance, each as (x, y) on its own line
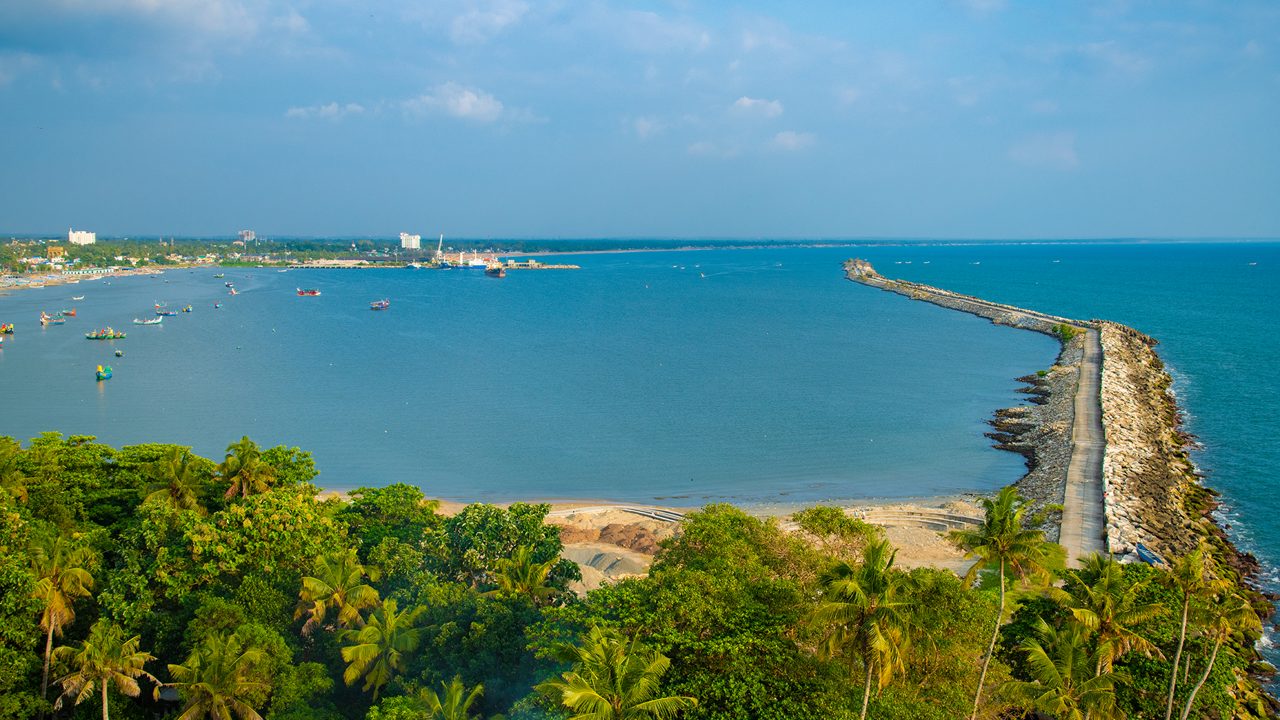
(106, 333)
(6, 329)
(119, 353)
(77, 297)
(495, 271)
(1146, 555)
(285, 270)
(217, 305)
(220, 275)
(46, 319)
(229, 284)
(312, 292)
(186, 309)
(152, 321)
(166, 311)
(233, 292)
(67, 313)
(104, 372)
(379, 304)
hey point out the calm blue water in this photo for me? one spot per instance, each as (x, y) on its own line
(772, 379)
(1213, 311)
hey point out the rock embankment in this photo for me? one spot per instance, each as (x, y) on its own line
(1153, 493)
(1041, 431)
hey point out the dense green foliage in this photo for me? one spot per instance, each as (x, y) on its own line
(231, 589)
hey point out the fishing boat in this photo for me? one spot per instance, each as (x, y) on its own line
(379, 304)
(186, 309)
(220, 275)
(229, 284)
(106, 333)
(162, 310)
(312, 292)
(119, 353)
(104, 372)
(77, 297)
(1146, 555)
(46, 319)
(67, 313)
(152, 321)
(217, 305)
(233, 292)
(495, 271)
(6, 329)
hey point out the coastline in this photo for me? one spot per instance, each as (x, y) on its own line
(59, 279)
(1150, 491)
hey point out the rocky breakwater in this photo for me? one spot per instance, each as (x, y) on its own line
(1153, 493)
(1041, 431)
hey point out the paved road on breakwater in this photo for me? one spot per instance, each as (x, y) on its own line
(1083, 514)
(1083, 510)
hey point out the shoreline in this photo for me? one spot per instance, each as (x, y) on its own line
(1148, 490)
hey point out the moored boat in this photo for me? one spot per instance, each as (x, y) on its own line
(6, 329)
(220, 275)
(104, 372)
(495, 271)
(67, 313)
(77, 297)
(107, 333)
(311, 292)
(152, 321)
(380, 304)
(47, 319)
(186, 309)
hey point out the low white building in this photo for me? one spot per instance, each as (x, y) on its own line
(81, 237)
(410, 242)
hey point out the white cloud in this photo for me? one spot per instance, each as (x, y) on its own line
(790, 140)
(650, 32)
(757, 107)
(331, 111)
(984, 6)
(458, 101)
(1056, 151)
(292, 22)
(485, 19)
(1253, 49)
(647, 127)
(1044, 107)
(847, 95)
(706, 148)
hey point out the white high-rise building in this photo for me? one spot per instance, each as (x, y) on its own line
(248, 236)
(410, 242)
(81, 237)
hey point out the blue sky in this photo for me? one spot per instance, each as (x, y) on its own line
(518, 118)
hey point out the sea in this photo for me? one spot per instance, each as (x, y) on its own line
(755, 376)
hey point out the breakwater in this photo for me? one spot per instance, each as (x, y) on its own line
(1145, 488)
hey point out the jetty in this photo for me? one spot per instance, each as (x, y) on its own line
(1077, 484)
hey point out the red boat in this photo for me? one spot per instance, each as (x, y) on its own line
(307, 293)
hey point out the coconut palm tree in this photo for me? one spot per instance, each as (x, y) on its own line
(12, 479)
(59, 566)
(1233, 615)
(1003, 544)
(613, 678)
(866, 615)
(1065, 685)
(175, 480)
(337, 585)
(520, 575)
(105, 658)
(456, 702)
(217, 677)
(1109, 608)
(245, 470)
(1191, 577)
(379, 648)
